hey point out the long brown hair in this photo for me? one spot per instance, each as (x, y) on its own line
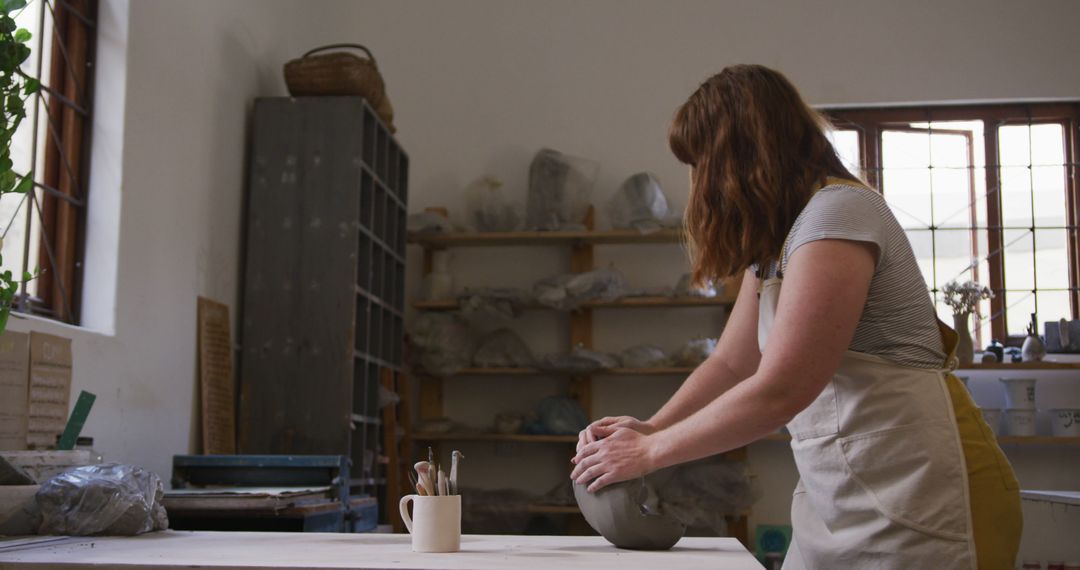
(757, 153)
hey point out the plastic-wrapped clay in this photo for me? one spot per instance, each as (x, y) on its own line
(558, 415)
(508, 422)
(443, 341)
(639, 204)
(695, 351)
(580, 360)
(500, 303)
(428, 223)
(684, 289)
(439, 425)
(107, 499)
(571, 290)
(644, 356)
(559, 188)
(489, 210)
(703, 492)
(502, 348)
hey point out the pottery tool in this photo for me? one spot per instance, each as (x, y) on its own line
(76, 421)
(423, 473)
(454, 458)
(443, 489)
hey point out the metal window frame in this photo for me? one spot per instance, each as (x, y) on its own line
(67, 98)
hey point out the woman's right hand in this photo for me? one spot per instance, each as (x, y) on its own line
(606, 426)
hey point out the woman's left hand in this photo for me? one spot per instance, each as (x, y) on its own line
(623, 455)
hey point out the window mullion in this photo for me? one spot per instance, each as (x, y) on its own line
(995, 235)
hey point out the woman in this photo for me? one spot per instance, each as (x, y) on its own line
(832, 334)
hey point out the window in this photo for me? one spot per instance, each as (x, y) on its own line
(43, 229)
(987, 193)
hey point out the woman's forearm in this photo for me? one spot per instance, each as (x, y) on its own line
(705, 384)
(745, 413)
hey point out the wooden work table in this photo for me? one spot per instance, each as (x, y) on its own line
(255, 550)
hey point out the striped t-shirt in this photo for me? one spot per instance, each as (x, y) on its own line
(898, 322)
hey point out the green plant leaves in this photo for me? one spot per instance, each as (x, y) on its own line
(15, 86)
(10, 6)
(25, 184)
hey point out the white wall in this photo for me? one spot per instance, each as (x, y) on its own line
(479, 86)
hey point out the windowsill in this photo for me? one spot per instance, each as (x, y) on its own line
(23, 322)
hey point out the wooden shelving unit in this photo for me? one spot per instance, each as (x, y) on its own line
(624, 303)
(1021, 366)
(662, 371)
(494, 437)
(581, 244)
(1041, 440)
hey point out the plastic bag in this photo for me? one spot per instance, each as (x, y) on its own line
(499, 302)
(579, 360)
(558, 415)
(502, 348)
(107, 499)
(571, 290)
(428, 223)
(684, 289)
(639, 204)
(644, 356)
(702, 493)
(443, 341)
(489, 210)
(559, 188)
(695, 351)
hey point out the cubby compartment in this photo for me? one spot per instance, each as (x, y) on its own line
(363, 313)
(376, 338)
(363, 260)
(378, 223)
(367, 200)
(382, 152)
(377, 271)
(389, 278)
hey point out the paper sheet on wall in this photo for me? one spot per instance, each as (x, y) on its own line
(218, 392)
(14, 372)
(50, 389)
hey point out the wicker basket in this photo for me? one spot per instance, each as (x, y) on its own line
(340, 73)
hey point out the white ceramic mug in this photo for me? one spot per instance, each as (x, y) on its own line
(1019, 393)
(435, 524)
(1021, 422)
(1065, 422)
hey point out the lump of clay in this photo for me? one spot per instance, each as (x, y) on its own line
(629, 515)
(639, 204)
(489, 209)
(569, 291)
(559, 188)
(502, 348)
(443, 341)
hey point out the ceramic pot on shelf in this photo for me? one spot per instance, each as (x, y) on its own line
(1033, 350)
(965, 348)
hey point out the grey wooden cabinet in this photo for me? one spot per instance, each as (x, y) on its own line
(323, 283)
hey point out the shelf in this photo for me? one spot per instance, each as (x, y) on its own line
(1003, 440)
(1037, 440)
(662, 371)
(624, 303)
(482, 239)
(495, 437)
(1070, 498)
(1023, 366)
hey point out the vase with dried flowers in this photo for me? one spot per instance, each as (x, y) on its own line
(963, 299)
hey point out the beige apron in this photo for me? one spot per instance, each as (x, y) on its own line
(883, 482)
